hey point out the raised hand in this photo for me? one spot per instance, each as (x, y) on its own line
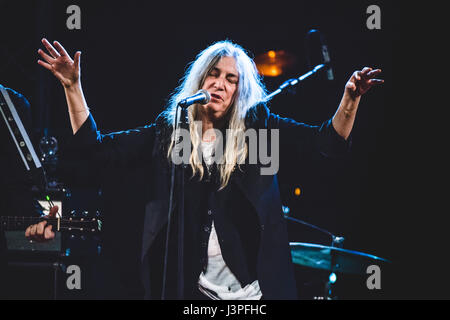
(361, 81)
(66, 70)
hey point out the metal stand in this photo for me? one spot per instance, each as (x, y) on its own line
(293, 82)
(180, 285)
(21, 139)
(337, 242)
(181, 123)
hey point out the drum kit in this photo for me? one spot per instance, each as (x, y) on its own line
(336, 260)
(332, 260)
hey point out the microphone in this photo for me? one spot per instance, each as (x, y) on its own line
(201, 97)
(316, 47)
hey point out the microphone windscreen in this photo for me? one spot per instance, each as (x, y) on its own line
(207, 96)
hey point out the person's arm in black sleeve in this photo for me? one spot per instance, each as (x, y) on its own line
(332, 137)
(303, 138)
(89, 152)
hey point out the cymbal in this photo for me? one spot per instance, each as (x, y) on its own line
(274, 63)
(333, 259)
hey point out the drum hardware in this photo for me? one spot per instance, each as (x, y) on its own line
(333, 258)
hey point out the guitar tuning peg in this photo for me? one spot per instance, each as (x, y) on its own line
(97, 213)
(73, 213)
(85, 213)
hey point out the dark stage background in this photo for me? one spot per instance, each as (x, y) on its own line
(133, 55)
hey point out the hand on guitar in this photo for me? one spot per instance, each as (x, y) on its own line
(39, 232)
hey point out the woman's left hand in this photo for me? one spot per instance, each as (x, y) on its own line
(361, 81)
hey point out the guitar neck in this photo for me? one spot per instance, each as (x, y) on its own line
(22, 223)
(90, 225)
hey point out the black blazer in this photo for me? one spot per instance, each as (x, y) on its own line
(147, 146)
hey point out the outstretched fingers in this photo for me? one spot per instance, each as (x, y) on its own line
(367, 75)
(376, 81)
(50, 49)
(356, 76)
(76, 59)
(60, 49)
(46, 57)
(365, 71)
(45, 65)
(373, 73)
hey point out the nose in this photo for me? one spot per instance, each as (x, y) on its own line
(219, 84)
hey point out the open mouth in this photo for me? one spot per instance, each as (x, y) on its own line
(216, 96)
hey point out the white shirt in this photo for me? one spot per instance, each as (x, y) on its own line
(218, 282)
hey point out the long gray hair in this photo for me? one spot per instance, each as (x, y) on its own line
(250, 92)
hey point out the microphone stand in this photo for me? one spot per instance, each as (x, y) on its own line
(181, 123)
(336, 241)
(203, 97)
(293, 82)
(180, 285)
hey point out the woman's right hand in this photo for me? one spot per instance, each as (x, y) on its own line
(66, 70)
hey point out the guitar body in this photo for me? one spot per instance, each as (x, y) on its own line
(16, 241)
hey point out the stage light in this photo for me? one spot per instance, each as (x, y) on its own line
(274, 71)
(332, 278)
(274, 63)
(297, 192)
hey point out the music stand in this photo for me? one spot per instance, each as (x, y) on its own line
(26, 152)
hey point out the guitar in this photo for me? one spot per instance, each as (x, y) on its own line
(83, 225)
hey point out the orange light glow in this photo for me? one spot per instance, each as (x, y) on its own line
(298, 192)
(274, 71)
(269, 70)
(274, 63)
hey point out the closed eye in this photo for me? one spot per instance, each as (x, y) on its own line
(215, 72)
(233, 79)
